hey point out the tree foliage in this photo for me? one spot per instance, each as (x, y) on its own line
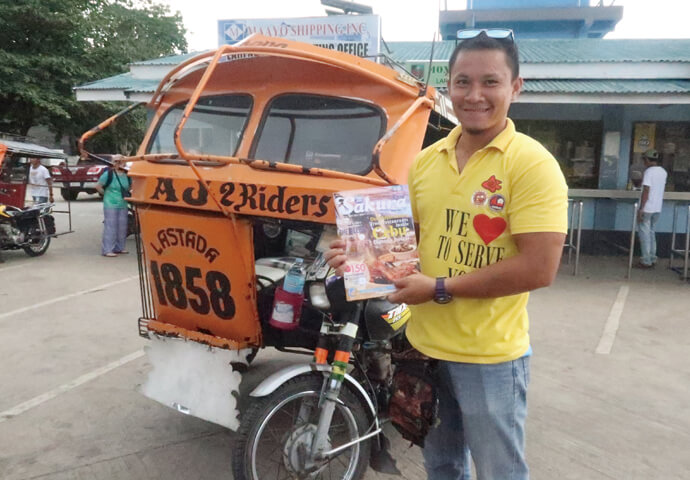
(49, 46)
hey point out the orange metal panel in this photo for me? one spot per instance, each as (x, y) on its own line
(201, 272)
(168, 329)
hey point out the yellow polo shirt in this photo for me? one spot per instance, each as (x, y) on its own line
(467, 221)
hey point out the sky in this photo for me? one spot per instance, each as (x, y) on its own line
(415, 20)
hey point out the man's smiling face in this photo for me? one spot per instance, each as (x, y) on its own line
(481, 89)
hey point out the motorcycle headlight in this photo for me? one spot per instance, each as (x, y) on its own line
(317, 296)
(47, 210)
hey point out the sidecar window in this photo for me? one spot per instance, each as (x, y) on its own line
(322, 132)
(15, 169)
(215, 126)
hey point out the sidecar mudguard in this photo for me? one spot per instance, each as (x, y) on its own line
(275, 380)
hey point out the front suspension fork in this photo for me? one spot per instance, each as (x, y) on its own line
(331, 390)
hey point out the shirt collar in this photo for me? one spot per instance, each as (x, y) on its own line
(500, 141)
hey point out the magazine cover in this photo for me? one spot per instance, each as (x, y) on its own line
(381, 247)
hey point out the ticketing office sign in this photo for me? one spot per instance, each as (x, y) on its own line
(355, 34)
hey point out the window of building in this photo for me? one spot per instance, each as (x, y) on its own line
(672, 141)
(214, 127)
(320, 132)
(575, 144)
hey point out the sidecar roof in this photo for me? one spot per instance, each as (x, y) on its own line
(256, 45)
(30, 149)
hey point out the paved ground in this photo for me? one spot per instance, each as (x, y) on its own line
(72, 360)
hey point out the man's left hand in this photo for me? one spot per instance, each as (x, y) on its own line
(414, 289)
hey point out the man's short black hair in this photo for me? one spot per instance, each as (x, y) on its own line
(483, 42)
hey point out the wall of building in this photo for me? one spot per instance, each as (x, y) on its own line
(501, 4)
(601, 213)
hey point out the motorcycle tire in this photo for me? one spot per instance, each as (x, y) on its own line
(272, 438)
(38, 248)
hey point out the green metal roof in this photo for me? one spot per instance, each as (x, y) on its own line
(633, 87)
(127, 83)
(123, 81)
(170, 60)
(531, 51)
(581, 50)
(563, 50)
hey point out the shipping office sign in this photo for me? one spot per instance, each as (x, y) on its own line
(355, 34)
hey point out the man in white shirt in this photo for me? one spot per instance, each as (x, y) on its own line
(653, 184)
(41, 182)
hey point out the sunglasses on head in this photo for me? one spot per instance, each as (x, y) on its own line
(495, 33)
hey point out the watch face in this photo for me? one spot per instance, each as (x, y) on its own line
(445, 298)
(440, 295)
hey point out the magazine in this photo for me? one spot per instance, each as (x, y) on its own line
(378, 229)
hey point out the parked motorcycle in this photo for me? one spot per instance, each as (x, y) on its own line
(324, 419)
(27, 228)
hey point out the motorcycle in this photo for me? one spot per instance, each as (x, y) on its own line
(27, 228)
(325, 419)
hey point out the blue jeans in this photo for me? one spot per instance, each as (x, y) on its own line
(482, 410)
(114, 230)
(648, 237)
(38, 200)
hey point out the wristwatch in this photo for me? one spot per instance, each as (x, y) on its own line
(440, 294)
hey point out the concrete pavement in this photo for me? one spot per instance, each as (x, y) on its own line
(70, 347)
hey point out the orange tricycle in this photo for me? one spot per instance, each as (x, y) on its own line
(232, 188)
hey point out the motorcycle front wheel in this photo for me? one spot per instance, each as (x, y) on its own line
(277, 430)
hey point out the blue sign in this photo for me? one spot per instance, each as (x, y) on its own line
(231, 31)
(355, 34)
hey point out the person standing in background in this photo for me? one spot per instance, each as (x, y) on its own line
(114, 185)
(41, 182)
(653, 184)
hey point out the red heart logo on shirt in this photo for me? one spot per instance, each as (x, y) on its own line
(488, 228)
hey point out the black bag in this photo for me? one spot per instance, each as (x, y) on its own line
(413, 406)
(125, 192)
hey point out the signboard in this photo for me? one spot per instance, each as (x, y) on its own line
(644, 137)
(420, 70)
(355, 34)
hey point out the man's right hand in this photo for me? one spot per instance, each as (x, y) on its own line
(335, 256)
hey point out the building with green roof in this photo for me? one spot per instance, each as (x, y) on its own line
(596, 104)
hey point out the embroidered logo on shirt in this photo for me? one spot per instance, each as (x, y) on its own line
(488, 229)
(492, 184)
(497, 202)
(479, 197)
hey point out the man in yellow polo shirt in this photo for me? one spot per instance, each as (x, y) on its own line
(491, 205)
(492, 211)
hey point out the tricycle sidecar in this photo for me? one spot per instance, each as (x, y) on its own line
(235, 178)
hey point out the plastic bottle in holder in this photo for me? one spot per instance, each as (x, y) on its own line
(294, 279)
(287, 303)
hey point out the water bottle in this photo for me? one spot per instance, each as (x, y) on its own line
(294, 279)
(287, 302)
